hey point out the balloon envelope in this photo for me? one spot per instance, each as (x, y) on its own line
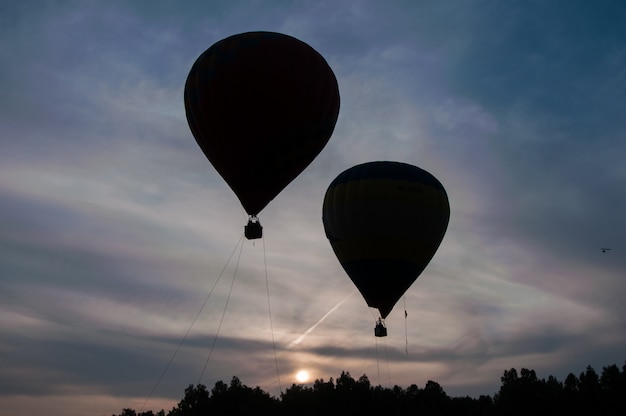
(385, 221)
(261, 105)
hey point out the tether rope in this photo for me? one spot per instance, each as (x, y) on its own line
(269, 309)
(406, 332)
(232, 283)
(169, 363)
(387, 361)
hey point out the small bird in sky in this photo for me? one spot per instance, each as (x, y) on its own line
(604, 249)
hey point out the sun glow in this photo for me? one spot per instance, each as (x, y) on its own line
(302, 376)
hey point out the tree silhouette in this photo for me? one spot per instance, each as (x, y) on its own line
(432, 400)
(589, 389)
(613, 388)
(520, 393)
(195, 402)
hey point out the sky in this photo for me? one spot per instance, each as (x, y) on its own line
(123, 274)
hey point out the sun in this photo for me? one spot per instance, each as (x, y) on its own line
(302, 376)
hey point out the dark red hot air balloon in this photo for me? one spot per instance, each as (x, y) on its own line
(261, 105)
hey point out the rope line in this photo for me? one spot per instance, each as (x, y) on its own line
(269, 309)
(377, 361)
(406, 332)
(182, 341)
(232, 283)
(387, 361)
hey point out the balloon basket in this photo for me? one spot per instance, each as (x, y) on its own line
(253, 229)
(380, 330)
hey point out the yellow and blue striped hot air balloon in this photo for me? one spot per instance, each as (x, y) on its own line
(385, 221)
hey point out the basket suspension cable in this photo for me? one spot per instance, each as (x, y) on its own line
(376, 345)
(377, 361)
(387, 362)
(269, 309)
(232, 283)
(193, 322)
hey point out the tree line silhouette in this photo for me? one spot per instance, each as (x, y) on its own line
(520, 393)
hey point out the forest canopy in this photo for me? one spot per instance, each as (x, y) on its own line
(520, 393)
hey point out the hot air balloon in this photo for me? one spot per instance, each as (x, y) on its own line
(385, 221)
(261, 106)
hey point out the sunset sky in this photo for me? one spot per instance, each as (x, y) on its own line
(114, 227)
